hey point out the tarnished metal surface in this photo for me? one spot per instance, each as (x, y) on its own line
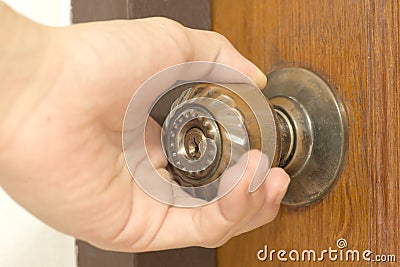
(318, 120)
(200, 123)
(310, 121)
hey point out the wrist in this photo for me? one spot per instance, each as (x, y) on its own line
(24, 46)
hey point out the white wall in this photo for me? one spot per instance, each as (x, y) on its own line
(24, 240)
(49, 12)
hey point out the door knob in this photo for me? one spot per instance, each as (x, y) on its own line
(314, 132)
(297, 121)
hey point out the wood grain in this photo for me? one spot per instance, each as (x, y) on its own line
(193, 13)
(186, 257)
(89, 256)
(383, 124)
(355, 46)
(94, 10)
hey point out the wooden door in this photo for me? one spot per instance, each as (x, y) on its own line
(354, 44)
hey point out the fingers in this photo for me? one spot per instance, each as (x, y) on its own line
(212, 225)
(122, 55)
(212, 46)
(153, 145)
(181, 44)
(235, 205)
(275, 187)
(241, 211)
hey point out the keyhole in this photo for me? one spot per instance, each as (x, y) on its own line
(193, 138)
(194, 149)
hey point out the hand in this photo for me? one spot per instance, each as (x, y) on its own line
(62, 158)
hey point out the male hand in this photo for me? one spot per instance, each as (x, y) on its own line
(61, 156)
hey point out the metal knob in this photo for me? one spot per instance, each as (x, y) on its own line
(314, 132)
(210, 125)
(211, 115)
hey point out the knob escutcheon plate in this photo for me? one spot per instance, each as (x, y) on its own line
(321, 132)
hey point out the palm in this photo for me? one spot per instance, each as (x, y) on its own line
(69, 144)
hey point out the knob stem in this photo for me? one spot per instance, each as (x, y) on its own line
(287, 136)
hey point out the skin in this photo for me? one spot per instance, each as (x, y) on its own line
(62, 103)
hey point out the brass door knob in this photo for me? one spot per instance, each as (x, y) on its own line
(297, 121)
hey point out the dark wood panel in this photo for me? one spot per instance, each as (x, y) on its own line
(355, 46)
(89, 256)
(194, 14)
(94, 10)
(186, 257)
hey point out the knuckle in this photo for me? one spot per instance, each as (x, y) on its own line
(280, 172)
(215, 241)
(166, 22)
(220, 37)
(177, 35)
(217, 238)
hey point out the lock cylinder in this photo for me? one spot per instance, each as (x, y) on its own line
(206, 132)
(209, 127)
(192, 142)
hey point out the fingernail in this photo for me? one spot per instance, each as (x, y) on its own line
(281, 194)
(258, 76)
(261, 79)
(260, 174)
